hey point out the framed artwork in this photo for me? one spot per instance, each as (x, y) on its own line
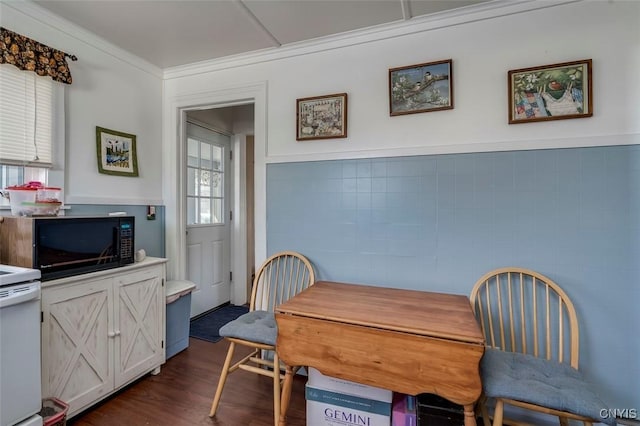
(116, 152)
(550, 92)
(321, 117)
(421, 88)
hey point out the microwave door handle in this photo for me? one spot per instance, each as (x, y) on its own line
(116, 242)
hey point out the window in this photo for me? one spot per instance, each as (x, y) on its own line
(205, 176)
(31, 113)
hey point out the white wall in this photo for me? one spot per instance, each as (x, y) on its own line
(483, 46)
(482, 52)
(110, 89)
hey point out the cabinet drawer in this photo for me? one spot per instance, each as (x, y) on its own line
(141, 275)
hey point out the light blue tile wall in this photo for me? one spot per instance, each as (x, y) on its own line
(440, 222)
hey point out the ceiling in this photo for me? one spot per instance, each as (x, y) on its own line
(169, 33)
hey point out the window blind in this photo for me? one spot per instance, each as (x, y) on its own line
(26, 118)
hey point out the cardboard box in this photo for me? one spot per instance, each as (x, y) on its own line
(318, 380)
(404, 410)
(328, 408)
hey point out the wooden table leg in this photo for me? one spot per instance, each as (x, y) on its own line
(286, 395)
(469, 415)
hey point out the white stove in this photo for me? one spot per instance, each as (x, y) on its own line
(16, 274)
(20, 346)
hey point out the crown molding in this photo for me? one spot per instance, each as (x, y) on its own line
(479, 12)
(44, 16)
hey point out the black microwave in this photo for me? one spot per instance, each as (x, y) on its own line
(68, 245)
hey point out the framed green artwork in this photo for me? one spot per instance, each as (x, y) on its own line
(116, 152)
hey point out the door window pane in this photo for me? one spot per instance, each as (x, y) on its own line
(205, 210)
(205, 156)
(217, 158)
(216, 184)
(191, 210)
(217, 211)
(193, 155)
(192, 184)
(205, 183)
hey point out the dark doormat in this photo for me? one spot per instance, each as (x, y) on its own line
(207, 326)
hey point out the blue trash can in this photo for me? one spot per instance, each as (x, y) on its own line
(178, 293)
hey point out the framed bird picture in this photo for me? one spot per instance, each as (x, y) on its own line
(421, 88)
(550, 92)
(116, 152)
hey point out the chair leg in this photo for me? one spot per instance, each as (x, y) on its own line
(223, 379)
(498, 413)
(276, 388)
(482, 402)
(563, 421)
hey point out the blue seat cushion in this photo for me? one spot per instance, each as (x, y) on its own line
(256, 326)
(541, 382)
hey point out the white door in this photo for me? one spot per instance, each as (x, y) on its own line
(208, 216)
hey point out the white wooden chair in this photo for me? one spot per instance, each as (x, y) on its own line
(280, 277)
(532, 337)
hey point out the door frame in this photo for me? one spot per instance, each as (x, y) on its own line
(174, 175)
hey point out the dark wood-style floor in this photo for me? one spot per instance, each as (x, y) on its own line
(181, 395)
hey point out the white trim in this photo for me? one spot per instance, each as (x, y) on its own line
(479, 12)
(46, 17)
(173, 177)
(557, 143)
(239, 295)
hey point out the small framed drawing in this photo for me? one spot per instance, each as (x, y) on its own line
(421, 88)
(321, 117)
(116, 152)
(550, 92)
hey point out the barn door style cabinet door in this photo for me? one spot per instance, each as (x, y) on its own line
(101, 331)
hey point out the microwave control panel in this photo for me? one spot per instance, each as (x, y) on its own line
(126, 241)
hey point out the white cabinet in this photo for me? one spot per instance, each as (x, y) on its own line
(101, 331)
